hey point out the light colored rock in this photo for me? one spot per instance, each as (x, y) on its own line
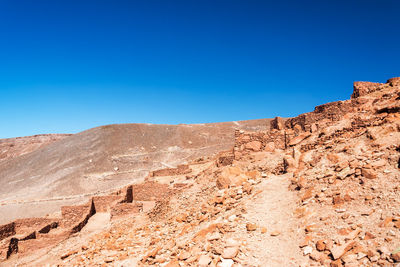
(339, 251)
(298, 139)
(204, 260)
(369, 173)
(254, 146)
(251, 227)
(231, 243)
(230, 252)
(226, 263)
(307, 250)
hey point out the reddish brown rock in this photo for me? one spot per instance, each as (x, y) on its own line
(338, 251)
(368, 236)
(320, 245)
(254, 146)
(251, 227)
(369, 173)
(298, 139)
(307, 194)
(364, 88)
(394, 81)
(396, 257)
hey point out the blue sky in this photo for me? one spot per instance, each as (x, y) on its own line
(66, 66)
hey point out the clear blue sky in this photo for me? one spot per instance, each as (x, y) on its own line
(66, 66)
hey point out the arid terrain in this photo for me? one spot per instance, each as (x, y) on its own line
(319, 189)
(65, 170)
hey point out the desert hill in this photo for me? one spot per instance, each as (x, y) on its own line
(39, 174)
(15, 147)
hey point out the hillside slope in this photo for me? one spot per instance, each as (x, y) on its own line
(103, 159)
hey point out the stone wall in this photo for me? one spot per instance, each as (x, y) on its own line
(83, 222)
(123, 209)
(150, 191)
(260, 141)
(7, 230)
(23, 226)
(103, 203)
(180, 170)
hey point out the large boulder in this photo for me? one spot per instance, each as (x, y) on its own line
(231, 176)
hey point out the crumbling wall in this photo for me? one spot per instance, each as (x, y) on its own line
(122, 209)
(48, 227)
(77, 216)
(180, 170)
(225, 158)
(329, 112)
(103, 203)
(7, 230)
(83, 222)
(261, 141)
(23, 226)
(128, 195)
(150, 191)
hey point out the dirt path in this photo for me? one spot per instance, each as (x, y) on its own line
(99, 221)
(273, 209)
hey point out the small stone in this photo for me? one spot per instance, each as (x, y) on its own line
(336, 263)
(232, 218)
(340, 210)
(204, 260)
(374, 258)
(251, 226)
(226, 263)
(214, 236)
(232, 243)
(361, 255)
(339, 251)
(108, 259)
(307, 250)
(368, 236)
(305, 242)
(320, 245)
(184, 255)
(263, 230)
(230, 252)
(315, 255)
(368, 173)
(396, 257)
(275, 233)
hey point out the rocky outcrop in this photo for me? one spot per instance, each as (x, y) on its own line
(364, 88)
